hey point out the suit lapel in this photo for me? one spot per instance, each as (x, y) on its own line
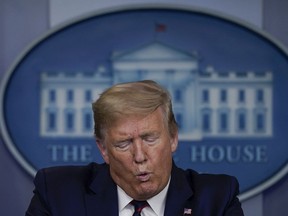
(102, 198)
(179, 196)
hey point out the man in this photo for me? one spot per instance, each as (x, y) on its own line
(136, 134)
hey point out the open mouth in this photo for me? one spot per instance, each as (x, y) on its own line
(143, 177)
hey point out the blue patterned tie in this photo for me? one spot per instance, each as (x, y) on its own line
(138, 206)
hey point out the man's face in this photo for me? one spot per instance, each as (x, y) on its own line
(139, 152)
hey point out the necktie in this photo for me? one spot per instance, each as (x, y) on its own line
(138, 206)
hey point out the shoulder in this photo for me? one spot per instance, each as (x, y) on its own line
(215, 185)
(64, 176)
(68, 171)
(211, 193)
(200, 179)
(63, 188)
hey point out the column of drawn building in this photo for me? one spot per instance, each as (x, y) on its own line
(206, 103)
(66, 98)
(236, 104)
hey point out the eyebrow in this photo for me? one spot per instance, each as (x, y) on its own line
(145, 134)
(149, 134)
(122, 140)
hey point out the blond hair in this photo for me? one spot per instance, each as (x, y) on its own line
(133, 98)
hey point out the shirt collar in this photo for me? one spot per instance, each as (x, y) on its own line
(123, 198)
(157, 203)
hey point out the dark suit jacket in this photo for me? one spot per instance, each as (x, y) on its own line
(90, 191)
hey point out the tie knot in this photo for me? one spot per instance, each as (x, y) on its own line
(138, 206)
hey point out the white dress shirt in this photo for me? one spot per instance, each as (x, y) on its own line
(156, 204)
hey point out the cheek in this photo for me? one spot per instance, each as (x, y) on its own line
(161, 154)
(120, 159)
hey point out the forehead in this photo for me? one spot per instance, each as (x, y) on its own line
(137, 123)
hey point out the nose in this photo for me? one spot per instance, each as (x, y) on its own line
(139, 152)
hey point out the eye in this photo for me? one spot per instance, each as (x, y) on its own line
(151, 139)
(123, 145)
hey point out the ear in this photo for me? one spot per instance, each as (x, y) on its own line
(174, 142)
(103, 150)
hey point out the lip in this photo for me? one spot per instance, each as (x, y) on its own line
(143, 177)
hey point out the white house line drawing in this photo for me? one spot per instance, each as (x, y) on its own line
(207, 103)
